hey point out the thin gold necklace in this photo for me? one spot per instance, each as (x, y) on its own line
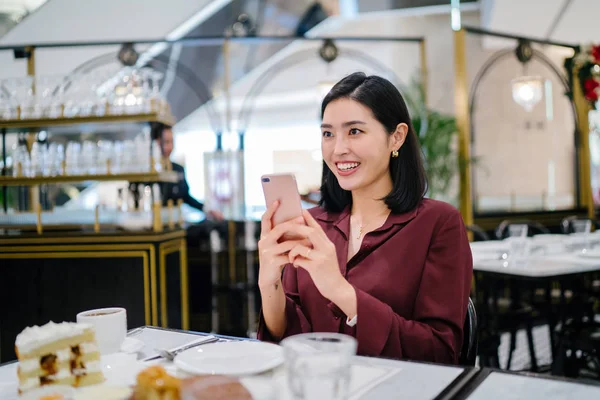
(360, 230)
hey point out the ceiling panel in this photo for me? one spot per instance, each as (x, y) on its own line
(579, 24)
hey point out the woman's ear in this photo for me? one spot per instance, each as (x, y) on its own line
(399, 136)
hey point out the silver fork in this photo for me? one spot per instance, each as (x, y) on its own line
(170, 354)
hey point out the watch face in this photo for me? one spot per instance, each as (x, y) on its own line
(175, 189)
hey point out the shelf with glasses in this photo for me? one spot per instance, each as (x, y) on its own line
(166, 176)
(78, 120)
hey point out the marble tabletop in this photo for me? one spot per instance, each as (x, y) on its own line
(373, 378)
(502, 386)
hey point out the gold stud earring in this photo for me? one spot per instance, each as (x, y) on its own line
(395, 154)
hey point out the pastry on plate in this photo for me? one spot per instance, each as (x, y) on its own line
(213, 387)
(154, 383)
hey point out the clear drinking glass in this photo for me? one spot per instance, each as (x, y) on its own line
(318, 365)
(517, 237)
(582, 229)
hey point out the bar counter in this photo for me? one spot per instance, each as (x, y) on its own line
(55, 275)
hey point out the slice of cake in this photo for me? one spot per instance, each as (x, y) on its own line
(64, 353)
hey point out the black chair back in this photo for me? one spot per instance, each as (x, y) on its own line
(534, 228)
(478, 233)
(468, 352)
(566, 224)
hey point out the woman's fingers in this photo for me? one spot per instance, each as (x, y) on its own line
(266, 223)
(311, 222)
(314, 236)
(285, 247)
(278, 231)
(299, 250)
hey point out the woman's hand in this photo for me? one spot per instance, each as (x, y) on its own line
(273, 255)
(318, 258)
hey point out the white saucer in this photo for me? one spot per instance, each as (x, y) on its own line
(132, 345)
(230, 358)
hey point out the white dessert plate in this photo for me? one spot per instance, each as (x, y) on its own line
(121, 369)
(103, 392)
(230, 358)
(593, 253)
(132, 345)
(66, 391)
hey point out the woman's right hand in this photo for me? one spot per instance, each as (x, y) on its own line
(273, 253)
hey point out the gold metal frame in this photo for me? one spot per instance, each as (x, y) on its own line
(583, 108)
(424, 69)
(164, 249)
(132, 177)
(119, 238)
(461, 104)
(88, 254)
(47, 122)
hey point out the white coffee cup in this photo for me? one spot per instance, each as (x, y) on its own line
(110, 325)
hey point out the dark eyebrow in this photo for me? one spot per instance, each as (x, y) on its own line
(345, 124)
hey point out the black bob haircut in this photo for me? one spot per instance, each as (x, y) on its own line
(388, 107)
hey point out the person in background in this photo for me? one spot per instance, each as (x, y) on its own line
(179, 190)
(376, 260)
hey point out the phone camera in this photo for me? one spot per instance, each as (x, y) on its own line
(266, 180)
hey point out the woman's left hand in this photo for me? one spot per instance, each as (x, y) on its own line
(320, 261)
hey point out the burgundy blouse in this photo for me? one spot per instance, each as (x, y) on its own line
(412, 278)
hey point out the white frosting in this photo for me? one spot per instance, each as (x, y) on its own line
(37, 336)
(61, 356)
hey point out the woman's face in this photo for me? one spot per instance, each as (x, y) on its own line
(357, 147)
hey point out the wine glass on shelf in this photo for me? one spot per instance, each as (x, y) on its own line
(21, 90)
(156, 100)
(72, 96)
(7, 108)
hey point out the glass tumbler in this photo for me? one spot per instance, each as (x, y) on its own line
(318, 365)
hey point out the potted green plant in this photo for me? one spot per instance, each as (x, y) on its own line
(437, 135)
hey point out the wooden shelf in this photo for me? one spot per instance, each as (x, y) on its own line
(130, 177)
(49, 122)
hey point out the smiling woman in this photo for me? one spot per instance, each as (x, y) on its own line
(375, 247)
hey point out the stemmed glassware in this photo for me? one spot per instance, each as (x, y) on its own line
(128, 91)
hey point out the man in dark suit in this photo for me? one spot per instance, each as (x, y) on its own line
(180, 189)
